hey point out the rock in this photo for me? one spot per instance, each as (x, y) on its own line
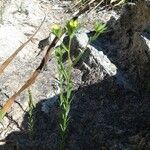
(92, 58)
(16, 28)
(133, 52)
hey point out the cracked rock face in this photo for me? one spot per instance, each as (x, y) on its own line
(132, 34)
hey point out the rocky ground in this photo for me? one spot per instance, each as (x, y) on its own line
(110, 108)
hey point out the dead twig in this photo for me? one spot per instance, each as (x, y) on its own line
(9, 60)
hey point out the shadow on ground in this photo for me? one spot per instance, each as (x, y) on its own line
(103, 116)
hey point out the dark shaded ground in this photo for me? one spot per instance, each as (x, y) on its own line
(103, 116)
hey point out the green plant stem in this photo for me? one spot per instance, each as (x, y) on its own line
(65, 99)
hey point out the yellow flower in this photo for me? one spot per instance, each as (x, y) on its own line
(73, 23)
(56, 30)
(56, 27)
